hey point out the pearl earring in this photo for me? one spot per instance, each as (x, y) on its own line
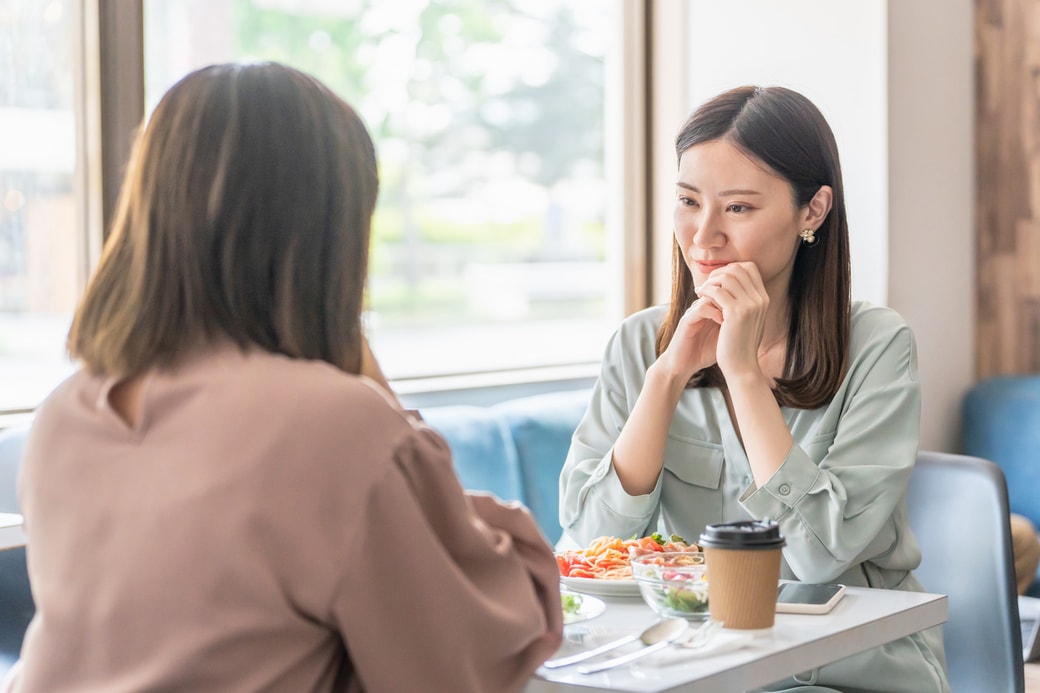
(808, 237)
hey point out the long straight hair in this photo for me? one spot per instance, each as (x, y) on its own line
(245, 214)
(787, 133)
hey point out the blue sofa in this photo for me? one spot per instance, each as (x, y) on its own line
(1001, 423)
(514, 449)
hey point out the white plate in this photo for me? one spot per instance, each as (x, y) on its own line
(610, 588)
(590, 608)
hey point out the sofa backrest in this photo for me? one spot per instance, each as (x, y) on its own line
(481, 446)
(514, 449)
(542, 427)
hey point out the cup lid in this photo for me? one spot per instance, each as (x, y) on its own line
(746, 534)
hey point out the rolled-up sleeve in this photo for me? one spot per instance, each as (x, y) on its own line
(839, 512)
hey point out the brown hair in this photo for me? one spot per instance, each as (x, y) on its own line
(785, 131)
(245, 214)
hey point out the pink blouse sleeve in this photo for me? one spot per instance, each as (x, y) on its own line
(446, 588)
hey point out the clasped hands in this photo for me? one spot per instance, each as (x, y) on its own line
(724, 325)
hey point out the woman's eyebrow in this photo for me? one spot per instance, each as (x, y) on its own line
(722, 193)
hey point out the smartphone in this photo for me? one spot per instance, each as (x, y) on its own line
(807, 598)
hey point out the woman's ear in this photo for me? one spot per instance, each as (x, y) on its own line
(816, 211)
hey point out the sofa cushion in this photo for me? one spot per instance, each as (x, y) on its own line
(542, 427)
(482, 449)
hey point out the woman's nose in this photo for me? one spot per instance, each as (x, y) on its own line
(708, 231)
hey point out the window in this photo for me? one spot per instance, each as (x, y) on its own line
(490, 240)
(43, 241)
(498, 242)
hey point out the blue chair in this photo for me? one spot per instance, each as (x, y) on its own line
(1001, 422)
(958, 508)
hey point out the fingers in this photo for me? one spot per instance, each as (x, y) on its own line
(704, 308)
(735, 285)
(736, 276)
(739, 293)
(746, 273)
(695, 340)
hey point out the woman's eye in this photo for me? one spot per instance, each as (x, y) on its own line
(738, 208)
(687, 201)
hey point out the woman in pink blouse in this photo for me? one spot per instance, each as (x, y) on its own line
(227, 496)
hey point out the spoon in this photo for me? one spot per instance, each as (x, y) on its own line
(648, 636)
(656, 637)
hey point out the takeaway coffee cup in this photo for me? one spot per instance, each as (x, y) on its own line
(743, 561)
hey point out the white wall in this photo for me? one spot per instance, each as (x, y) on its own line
(931, 190)
(834, 54)
(894, 80)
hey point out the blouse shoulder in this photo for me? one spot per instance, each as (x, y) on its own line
(632, 347)
(644, 321)
(881, 333)
(640, 328)
(872, 323)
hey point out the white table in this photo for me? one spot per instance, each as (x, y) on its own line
(11, 534)
(864, 619)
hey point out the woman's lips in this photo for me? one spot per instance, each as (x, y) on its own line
(709, 267)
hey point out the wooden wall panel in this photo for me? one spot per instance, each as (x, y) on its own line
(1007, 44)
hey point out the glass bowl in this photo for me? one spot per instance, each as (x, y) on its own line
(674, 584)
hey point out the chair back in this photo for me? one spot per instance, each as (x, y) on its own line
(1001, 423)
(958, 508)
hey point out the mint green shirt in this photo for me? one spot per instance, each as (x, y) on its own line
(839, 495)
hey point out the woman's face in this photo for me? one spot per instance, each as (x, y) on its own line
(731, 208)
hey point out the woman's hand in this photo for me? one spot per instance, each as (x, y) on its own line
(738, 291)
(740, 297)
(694, 344)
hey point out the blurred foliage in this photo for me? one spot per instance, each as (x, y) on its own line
(556, 125)
(472, 103)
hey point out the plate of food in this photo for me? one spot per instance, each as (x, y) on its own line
(621, 587)
(605, 567)
(580, 607)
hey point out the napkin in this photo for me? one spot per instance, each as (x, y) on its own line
(720, 642)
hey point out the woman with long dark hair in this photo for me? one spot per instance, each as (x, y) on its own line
(761, 390)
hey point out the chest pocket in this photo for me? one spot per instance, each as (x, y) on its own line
(694, 462)
(691, 496)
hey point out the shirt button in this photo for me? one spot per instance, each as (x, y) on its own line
(747, 478)
(784, 489)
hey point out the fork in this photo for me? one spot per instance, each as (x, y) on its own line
(700, 636)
